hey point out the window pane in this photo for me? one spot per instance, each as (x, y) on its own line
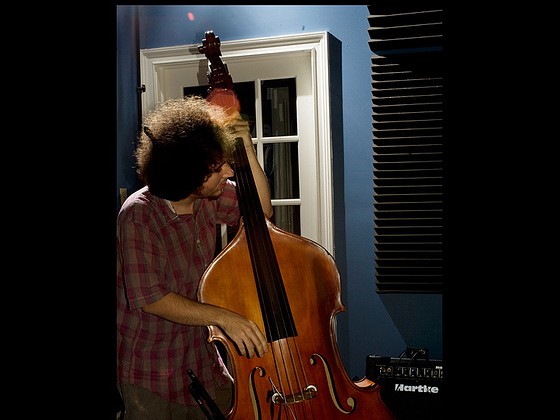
(287, 218)
(279, 107)
(281, 168)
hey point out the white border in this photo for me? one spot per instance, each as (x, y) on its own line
(155, 60)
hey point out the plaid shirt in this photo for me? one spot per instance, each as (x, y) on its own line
(160, 252)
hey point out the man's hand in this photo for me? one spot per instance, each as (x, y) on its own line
(246, 335)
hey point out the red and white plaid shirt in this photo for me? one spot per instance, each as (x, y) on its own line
(160, 252)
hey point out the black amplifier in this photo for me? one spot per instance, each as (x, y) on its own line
(412, 388)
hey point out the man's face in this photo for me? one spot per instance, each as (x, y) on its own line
(214, 185)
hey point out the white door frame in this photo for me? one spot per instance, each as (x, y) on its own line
(155, 63)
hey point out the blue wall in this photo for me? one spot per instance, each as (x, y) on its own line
(373, 324)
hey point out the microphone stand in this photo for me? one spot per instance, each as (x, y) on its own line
(201, 396)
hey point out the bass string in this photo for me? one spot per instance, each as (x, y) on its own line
(274, 303)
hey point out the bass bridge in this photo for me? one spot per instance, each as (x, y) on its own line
(279, 398)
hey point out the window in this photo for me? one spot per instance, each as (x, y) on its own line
(283, 84)
(279, 138)
(408, 143)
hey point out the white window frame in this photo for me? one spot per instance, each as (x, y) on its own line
(155, 62)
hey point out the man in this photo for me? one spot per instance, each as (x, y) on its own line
(165, 240)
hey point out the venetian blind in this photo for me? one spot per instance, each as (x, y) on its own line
(406, 39)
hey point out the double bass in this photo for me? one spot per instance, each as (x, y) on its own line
(290, 287)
